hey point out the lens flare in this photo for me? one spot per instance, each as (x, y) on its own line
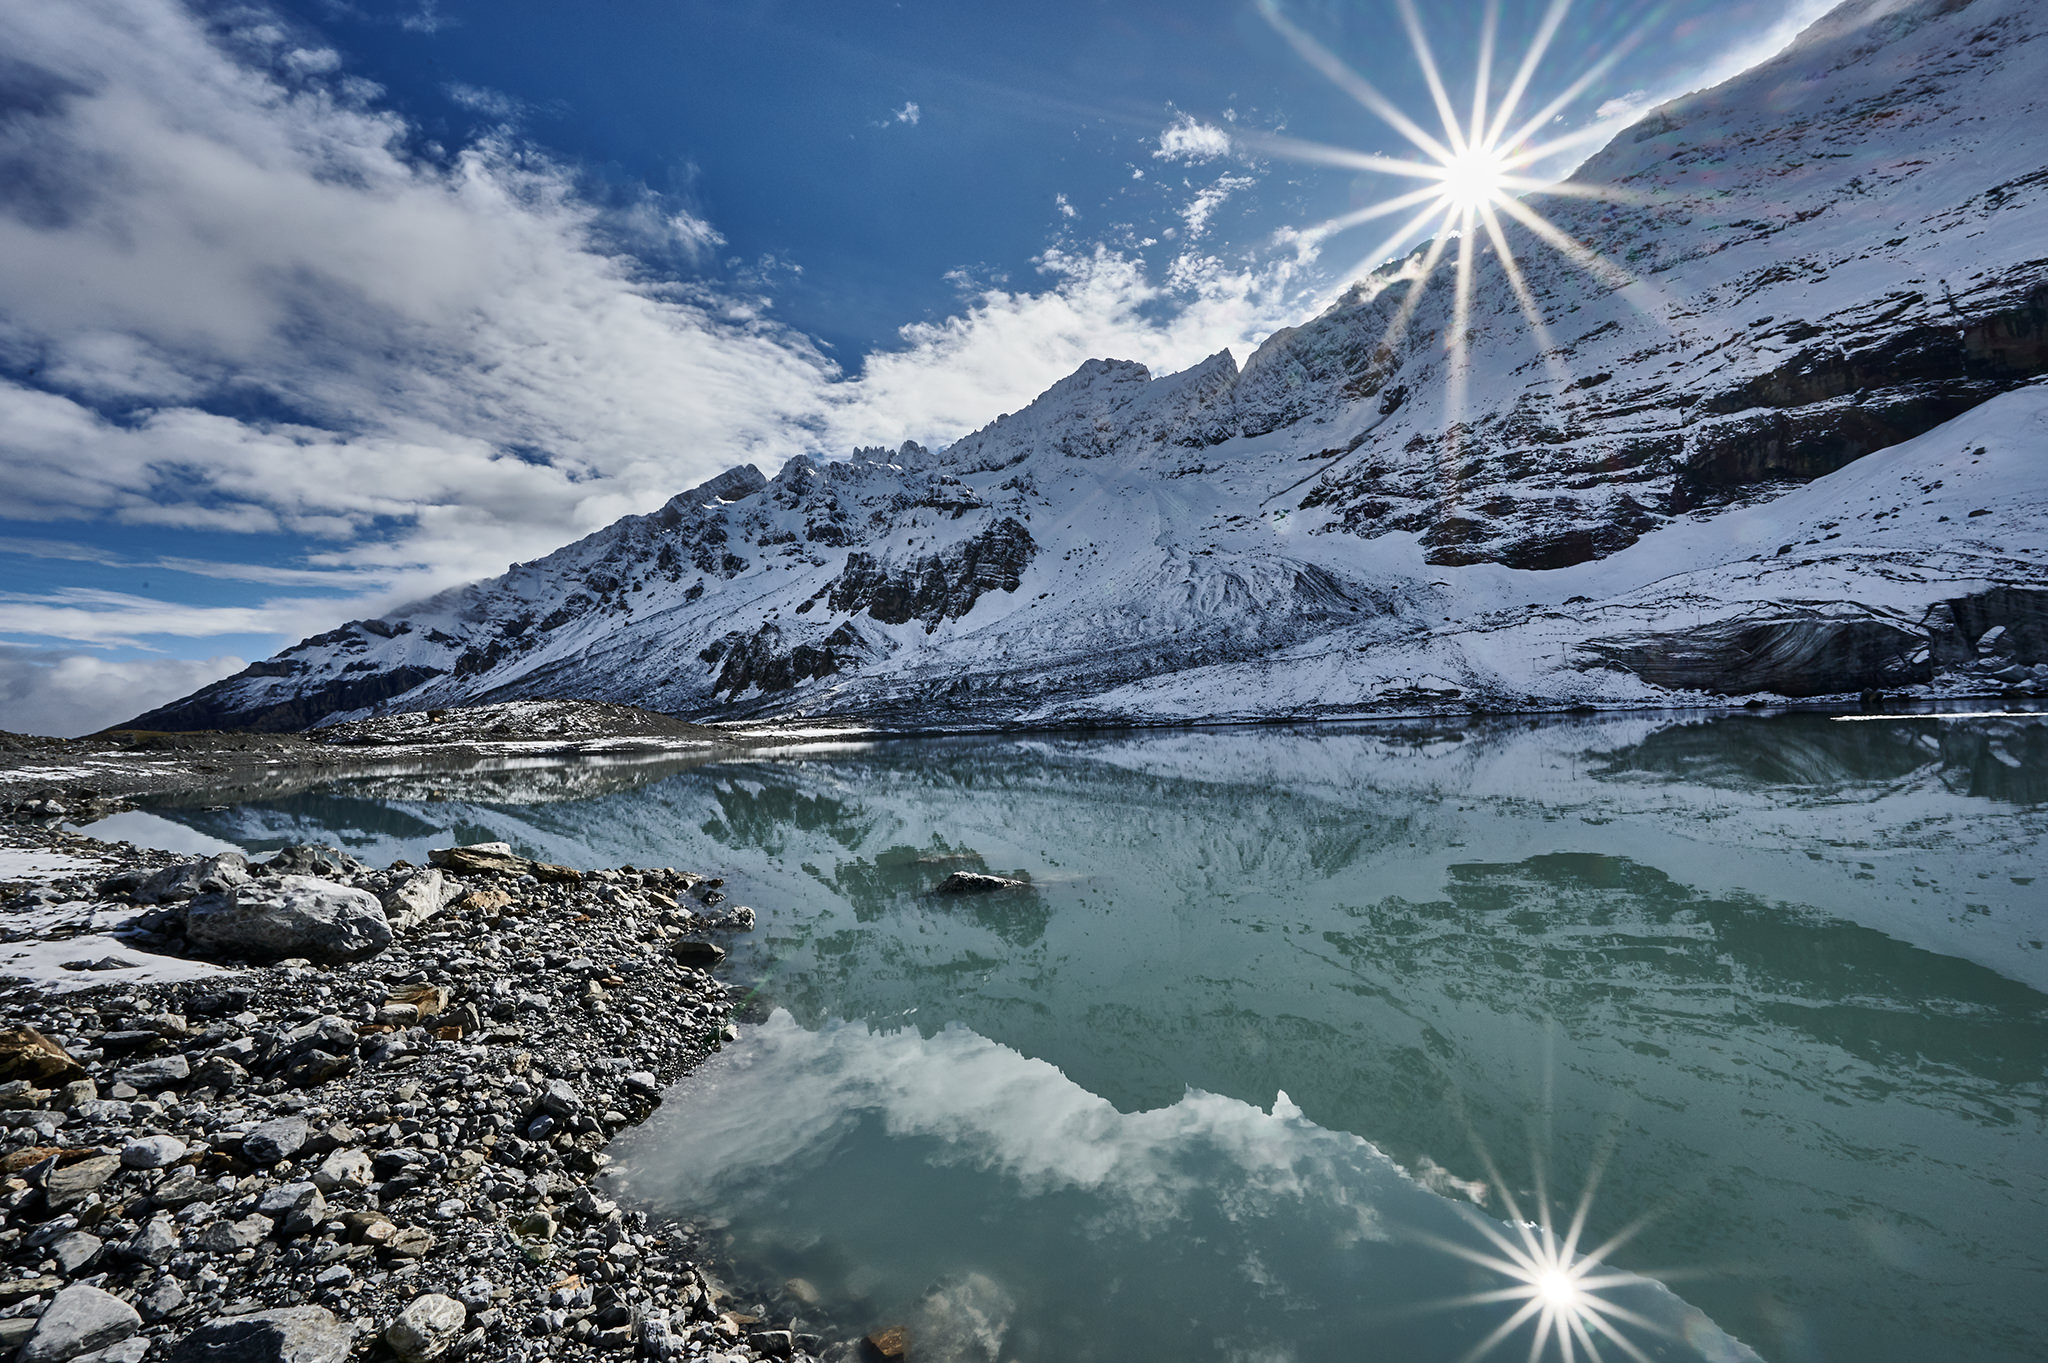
(1475, 171)
(1555, 1289)
(1474, 177)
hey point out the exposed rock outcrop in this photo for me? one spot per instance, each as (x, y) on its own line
(935, 587)
(1791, 655)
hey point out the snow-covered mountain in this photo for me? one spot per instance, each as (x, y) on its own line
(1785, 437)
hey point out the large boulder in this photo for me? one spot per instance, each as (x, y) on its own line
(498, 858)
(78, 1320)
(290, 916)
(274, 1140)
(291, 1334)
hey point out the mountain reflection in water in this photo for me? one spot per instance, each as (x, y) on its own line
(1789, 970)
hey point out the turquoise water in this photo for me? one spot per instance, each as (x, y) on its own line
(1292, 1029)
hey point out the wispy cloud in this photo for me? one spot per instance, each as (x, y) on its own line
(909, 113)
(491, 103)
(459, 361)
(1189, 139)
(122, 619)
(428, 18)
(1207, 200)
(66, 550)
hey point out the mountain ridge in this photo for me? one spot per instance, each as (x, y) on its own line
(1823, 259)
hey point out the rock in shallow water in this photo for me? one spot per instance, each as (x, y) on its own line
(973, 882)
(698, 955)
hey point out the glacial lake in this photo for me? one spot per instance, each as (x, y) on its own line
(1300, 1038)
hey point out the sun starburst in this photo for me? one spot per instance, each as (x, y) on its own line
(1476, 169)
(1565, 1295)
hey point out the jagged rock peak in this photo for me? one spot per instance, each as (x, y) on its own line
(743, 480)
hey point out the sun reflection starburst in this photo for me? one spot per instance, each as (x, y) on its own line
(1479, 167)
(1562, 1294)
(1570, 1301)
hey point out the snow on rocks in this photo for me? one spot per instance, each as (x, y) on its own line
(289, 1161)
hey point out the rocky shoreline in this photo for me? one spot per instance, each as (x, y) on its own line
(385, 1142)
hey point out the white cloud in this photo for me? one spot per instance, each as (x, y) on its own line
(475, 368)
(491, 103)
(696, 236)
(909, 113)
(1189, 139)
(1066, 208)
(122, 619)
(1007, 347)
(1206, 201)
(1623, 105)
(51, 691)
(426, 19)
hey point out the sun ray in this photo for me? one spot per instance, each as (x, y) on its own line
(1429, 198)
(1458, 341)
(1596, 71)
(1528, 153)
(1501, 1332)
(1573, 189)
(1397, 325)
(1348, 80)
(1552, 19)
(1585, 1340)
(1585, 257)
(1381, 253)
(1298, 149)
(1426, 59)
(1600, 1308)
(1526, 300)
(1488, 27)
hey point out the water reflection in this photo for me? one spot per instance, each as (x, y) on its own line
(2003, 758)
(1207, 1229)
(1791, 968)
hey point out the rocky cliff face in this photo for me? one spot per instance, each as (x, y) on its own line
(1776, 434)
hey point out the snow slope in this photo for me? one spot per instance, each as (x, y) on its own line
(1741, 455)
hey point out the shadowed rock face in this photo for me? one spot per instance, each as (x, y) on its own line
(1799, 656)
(1959, 628)
(217, 707)
(768, 660)
(1830, 404)
(937, 586)
(1996, 634)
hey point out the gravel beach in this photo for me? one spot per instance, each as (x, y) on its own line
(306, 1110)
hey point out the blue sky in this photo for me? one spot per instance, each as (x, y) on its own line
(311, 308)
